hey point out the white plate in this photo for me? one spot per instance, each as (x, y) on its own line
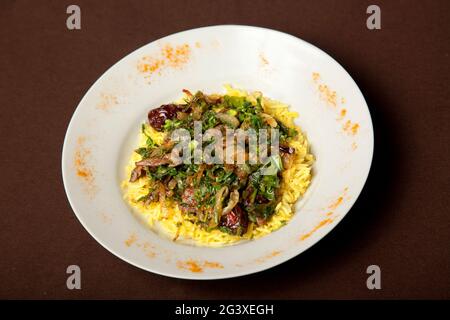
(104, 128)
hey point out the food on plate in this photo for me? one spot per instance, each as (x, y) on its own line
(217, 169)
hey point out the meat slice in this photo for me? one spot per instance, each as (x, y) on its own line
(188, 198)
(154, 162)
(137, 173)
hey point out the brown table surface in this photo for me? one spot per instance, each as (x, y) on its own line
(401, 221)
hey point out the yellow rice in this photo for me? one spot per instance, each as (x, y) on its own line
(171, 220)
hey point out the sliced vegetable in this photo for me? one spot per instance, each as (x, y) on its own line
(220, 196)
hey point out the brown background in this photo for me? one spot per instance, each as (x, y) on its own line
(401, 221)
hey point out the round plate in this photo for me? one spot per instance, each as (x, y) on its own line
(104, 131)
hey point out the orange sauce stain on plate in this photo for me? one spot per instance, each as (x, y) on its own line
(328, 94)
(329, 215)
(350, 127)
(169, 56)
(146, 247)
(213, 265)
(263, 60)
(196, 266)
(317, 227)
(106, 218)
(268, 256)
(83, 170)
(131, 239)
(331, 98)
(107, 101)
(342, 114)
(190, 265)
(336, 203)
(315, 76)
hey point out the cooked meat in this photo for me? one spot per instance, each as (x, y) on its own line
(241, 172)
(287, 156)
(286, 149)
(248, 196)
(260, 199)
(154, 162)
(260, 221)
(137, 173)
(188, 198)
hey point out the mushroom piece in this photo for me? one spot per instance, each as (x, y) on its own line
(228, 119)
(269, 120)
(234, 199)
(213, 98)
